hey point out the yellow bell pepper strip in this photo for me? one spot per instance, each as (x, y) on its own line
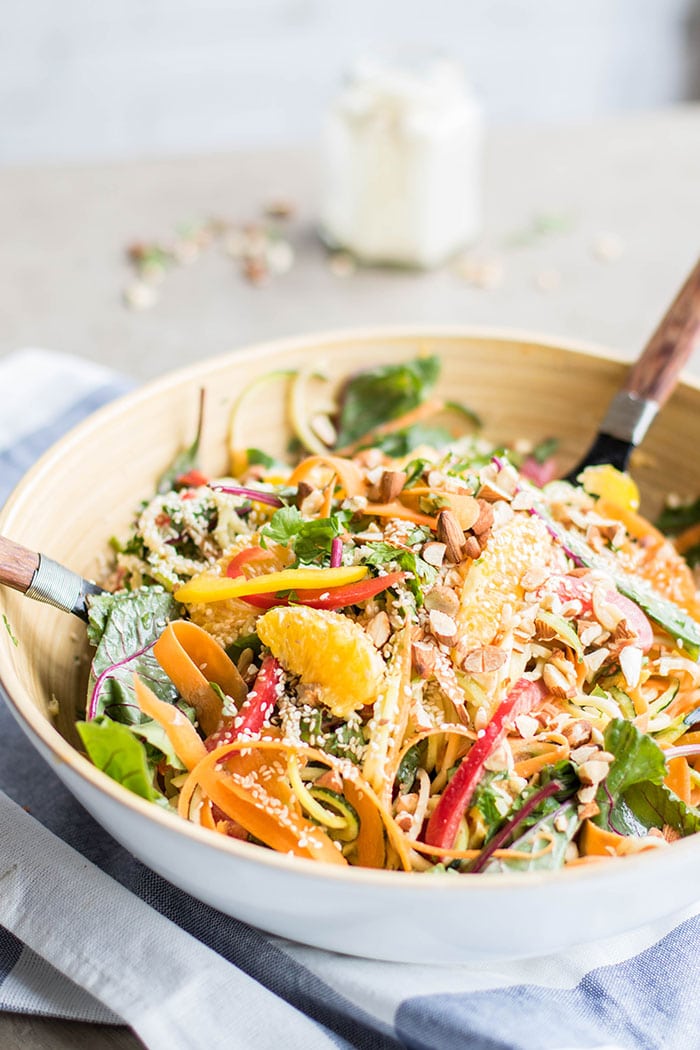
(349, 474)
(184, 738)
(185, 652)
(208, 588)
(444, 822)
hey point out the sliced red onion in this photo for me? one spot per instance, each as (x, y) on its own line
(498, 463)
(253, 494)
(502, 836)
(336, 552)
(683, 750)
(556, 536)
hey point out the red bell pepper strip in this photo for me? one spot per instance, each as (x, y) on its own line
(253, 712)
(444, 822)
(330, 597)
(575, 587)
(193, 479)
(235, 566)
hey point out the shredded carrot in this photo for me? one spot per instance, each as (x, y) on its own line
(186, 652)
(687, 539)
(678, 778)
(180, 732)
(325, 510)
(349, 474)
(397, 510)
(636, 525)
(241, 805)
(529, 766)
(471, 854)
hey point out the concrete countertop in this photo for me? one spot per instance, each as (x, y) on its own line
(633, 181)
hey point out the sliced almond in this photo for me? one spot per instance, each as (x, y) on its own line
(527, 726)
(379, 629)
(434, 553)
(589, 810)
(577, 733)
(464, 508)
(442, 626)
(423, 658)
(557, 683)
(592, 772)
(442, 599)
(583, 754)
(484, 660)
(492, 492)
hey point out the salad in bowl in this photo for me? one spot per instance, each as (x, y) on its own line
(401, 647)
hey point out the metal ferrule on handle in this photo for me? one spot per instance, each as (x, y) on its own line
(55, 585)
(629, 417)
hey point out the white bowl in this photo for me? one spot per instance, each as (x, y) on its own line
(87, 487)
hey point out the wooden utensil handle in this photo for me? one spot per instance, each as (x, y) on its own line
(17, 565)
(654, 375)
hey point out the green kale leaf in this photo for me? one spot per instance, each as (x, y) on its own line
(546, 840)
(378, 395)
(638, 760)
(124, 626)
(674, 520)
(114, 749)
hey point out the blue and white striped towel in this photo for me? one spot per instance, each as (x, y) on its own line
(86, 932)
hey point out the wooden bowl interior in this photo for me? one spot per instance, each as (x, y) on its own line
(87, 488)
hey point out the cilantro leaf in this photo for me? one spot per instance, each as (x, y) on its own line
(378, 395)
(310, 540)
(423, 575)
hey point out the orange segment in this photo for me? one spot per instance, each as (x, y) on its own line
(520, 545)
(328, 651)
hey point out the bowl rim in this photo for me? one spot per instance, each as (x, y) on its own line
(41, 727)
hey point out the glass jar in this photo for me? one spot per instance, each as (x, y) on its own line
(402, 152)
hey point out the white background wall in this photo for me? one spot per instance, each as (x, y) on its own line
(109, 78)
